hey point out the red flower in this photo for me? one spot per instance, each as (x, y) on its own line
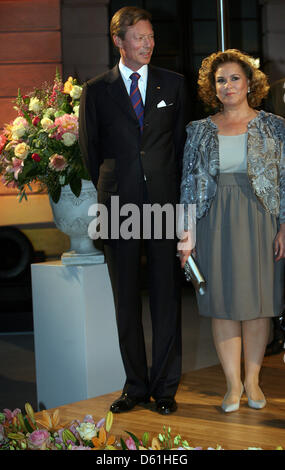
(3, 141)
(36, 120)
(36, 157)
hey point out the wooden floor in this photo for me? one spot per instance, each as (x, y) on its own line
(199, 418)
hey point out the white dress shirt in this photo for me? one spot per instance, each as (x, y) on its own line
(126, 72)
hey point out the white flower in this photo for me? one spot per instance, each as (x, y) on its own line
(49, 112)
(68, 139)
(21, 150)
(87, 431)
(35, 105)
(19, 127)
(75, 92)
(20, 121)
(46, 123)
(76, 110)
(18, 132)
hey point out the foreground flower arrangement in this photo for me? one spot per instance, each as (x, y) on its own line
(41, 144)
(20, 431)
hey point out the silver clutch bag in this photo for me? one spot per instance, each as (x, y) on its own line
(193, 274)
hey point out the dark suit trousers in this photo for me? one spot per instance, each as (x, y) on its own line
(124, 263)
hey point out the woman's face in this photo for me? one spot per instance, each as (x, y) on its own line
(231, 84)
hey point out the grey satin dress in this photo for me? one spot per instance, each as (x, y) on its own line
(234, 245)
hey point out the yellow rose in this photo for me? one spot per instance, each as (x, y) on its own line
(22, 150)
(46, 123)
(67, 87)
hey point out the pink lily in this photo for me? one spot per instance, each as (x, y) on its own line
(17, 167)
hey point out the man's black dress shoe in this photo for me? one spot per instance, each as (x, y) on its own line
(165, 406)
(127, 403)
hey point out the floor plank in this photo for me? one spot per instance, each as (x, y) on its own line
(199, 417)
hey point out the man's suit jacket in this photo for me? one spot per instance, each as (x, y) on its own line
(118, 157)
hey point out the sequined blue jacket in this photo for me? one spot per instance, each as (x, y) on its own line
(265, 163)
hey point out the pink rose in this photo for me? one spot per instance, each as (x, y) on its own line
(66, 123)
(39, 440)
(57, 162)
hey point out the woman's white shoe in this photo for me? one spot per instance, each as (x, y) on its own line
(229, 407)
(256, 404)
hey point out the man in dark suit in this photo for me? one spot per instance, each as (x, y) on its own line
(132, 135)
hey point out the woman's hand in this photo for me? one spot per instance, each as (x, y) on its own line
(185, 248)
(279, 243)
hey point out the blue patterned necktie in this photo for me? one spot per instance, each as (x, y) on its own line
(136, 98)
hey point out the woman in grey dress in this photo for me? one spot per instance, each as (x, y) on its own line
(234, 171)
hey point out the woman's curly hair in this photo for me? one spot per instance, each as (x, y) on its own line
(258, 83)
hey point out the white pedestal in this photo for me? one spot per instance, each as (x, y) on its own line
(76, 343)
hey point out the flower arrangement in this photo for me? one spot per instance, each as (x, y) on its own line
(20, 431)
(41, 144)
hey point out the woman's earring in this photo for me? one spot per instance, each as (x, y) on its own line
(248, 90)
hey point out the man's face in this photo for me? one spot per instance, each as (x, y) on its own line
(137, 46)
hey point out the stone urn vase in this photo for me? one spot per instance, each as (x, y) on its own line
(71, 217)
